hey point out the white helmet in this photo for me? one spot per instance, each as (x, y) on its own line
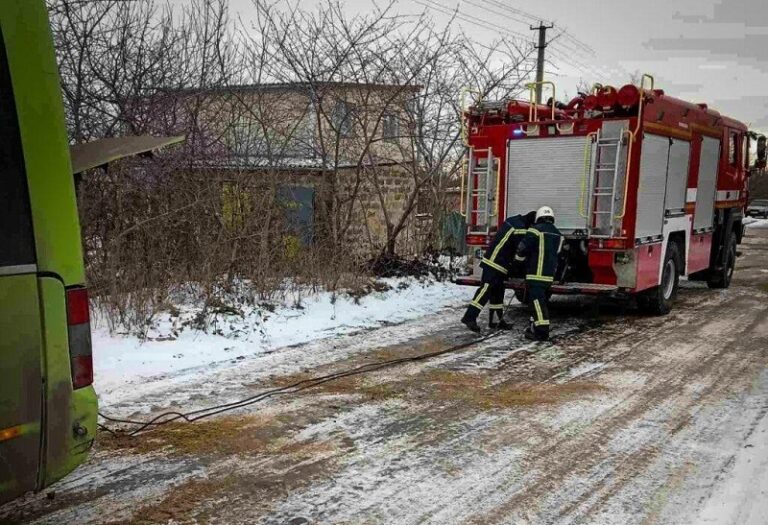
(544, 211)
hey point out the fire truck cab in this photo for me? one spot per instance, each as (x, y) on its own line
(646, 187)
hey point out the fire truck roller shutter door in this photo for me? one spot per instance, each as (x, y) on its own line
(653, 183)
(705, 192)
(677, 177)
(547, 171)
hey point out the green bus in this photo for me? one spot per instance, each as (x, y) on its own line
(48, 406)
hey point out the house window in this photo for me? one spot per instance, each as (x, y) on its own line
(343, 114)
(390, 128)
(733, 147)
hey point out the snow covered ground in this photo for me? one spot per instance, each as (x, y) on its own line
(625, 420)
(751, 222)
(124, 363)
(742, 496)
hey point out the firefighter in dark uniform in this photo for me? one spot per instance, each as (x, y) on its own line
(539, 250)
(497, 264)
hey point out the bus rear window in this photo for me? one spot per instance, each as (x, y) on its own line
(17, 246)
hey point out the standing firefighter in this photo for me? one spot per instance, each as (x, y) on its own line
(497, 264)
(539, 249)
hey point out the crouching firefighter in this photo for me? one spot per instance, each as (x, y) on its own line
(497, 263)
(539, 250)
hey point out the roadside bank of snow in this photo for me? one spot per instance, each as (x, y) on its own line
(169, 349)
(751, 222)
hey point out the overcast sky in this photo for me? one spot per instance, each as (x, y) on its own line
(713, 51)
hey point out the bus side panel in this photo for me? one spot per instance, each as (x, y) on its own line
(21, 385)
(66, 410)
(40, 111)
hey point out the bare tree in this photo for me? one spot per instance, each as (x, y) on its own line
(426, 68)
(369, 105)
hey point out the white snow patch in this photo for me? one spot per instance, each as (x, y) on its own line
(583, 369)
(743, 496)
(123, 362)
(751, 222)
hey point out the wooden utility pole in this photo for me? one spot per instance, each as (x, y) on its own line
(542, 29)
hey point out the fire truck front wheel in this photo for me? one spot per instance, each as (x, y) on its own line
(658, 300)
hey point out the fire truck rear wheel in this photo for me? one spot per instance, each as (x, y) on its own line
(658, 300)
(721, 278)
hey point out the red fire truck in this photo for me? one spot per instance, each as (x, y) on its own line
(646, 187)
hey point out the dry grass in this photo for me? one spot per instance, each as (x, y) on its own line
(351, 385)
(224, 436)
(476, 390)
(479, 391)
(179, 502)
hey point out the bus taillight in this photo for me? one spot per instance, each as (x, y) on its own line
(79, 321)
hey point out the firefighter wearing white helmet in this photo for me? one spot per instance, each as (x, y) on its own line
(539, 250)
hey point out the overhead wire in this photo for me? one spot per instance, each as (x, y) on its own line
(430, 4)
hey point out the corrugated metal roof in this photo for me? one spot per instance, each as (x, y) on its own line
(103, 151)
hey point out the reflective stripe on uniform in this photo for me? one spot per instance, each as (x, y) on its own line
(475, 302)
(540, 278)
(519, 258)
(496, 306)
(510, 233)
(493, 265)
(540, 261)
(540, 321)
(540, 265)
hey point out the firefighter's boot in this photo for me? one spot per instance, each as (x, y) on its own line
(470, 320)
(533, 333)
(501, 324)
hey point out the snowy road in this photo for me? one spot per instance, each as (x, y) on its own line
(627, 420)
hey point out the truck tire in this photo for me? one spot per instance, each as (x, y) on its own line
(721, 278)
(658, 300)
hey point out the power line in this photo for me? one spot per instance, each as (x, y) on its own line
(530, 16)
(536, 19)
(565, 56)
(429, 4)
(510, 17)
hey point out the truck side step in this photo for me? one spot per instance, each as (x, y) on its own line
(557, 288)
